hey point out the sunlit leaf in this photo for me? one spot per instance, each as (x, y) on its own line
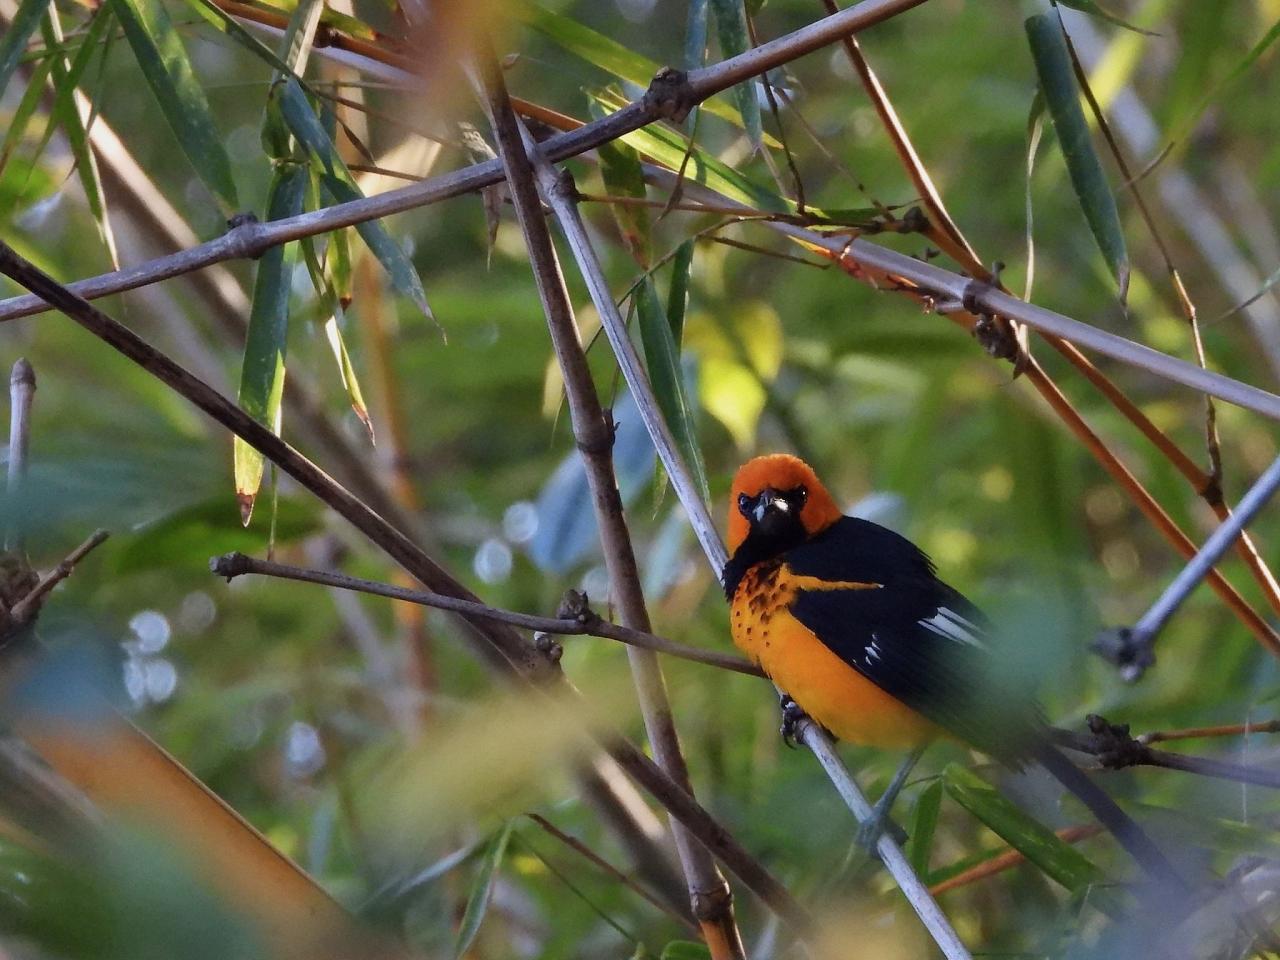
(482, 889)
(21, 119)
(163, 60)
(731, 28)
(737, 356)
(662, 358)
(337, 181)
(668, 148)
(1062, 97)
(611, 56)
(1035, 127)
(620, 170)
(333, 318)
(1040, 845)
(262, 376)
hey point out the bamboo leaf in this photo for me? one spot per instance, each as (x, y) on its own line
(167, 70)
(611, 56)
(924, 822)
(731, 28)
(1095, 9)
(263, 372)
(338, 183)
(333, 319)
(26, 109)
(13, 44)
(620, 170)
(662, 357)
(482, 889)
(668, 148)
(66, 114)
(1058, 84)
(678, 296)
(685, 950)
(1040, 845)
(1035, 127)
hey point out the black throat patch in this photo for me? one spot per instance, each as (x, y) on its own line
(757, 548)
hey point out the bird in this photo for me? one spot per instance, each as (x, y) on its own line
(851, 621)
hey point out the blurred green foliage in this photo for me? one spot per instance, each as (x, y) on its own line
(294, 705)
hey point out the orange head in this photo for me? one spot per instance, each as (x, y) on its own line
(774, 492)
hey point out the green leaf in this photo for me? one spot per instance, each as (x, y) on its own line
(262, 376)
(222, 21)
(482, 889)
(685, 950)
(1058, 84)
(13, 44)
(678, 296)
(1035, 127)
(21, 119)
(924, 821)
(187, 537)
(334, 318)
(695, 35)
(668, 148)
(337, 181)
(1095, 9)
(609, 55)
(66, 113)
(662, 357)
(737, 357)
(167, 71)
(731, 28)
(1040, 845)
(620, 170)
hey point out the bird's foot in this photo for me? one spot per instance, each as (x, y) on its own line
(874, 827)
(792, 717)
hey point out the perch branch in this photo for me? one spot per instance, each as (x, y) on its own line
(579, 619)
(27, 607)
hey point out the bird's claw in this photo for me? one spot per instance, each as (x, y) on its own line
(871, 829)
(792, 716)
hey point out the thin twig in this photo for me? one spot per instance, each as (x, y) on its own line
(502, 647)
(1131, 648)
(577, 846)
(22, 390)
(1010, 859)
(1196, 733)
(709, 893)
(1115, 748)
(27, 607)
(583, 622)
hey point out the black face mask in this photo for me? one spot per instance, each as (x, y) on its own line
(775, 527)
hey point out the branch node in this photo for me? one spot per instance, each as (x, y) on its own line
(913, 221)
(669, 95)
(229, 565)
(1127, 649)
(242, 236)
(565, 186)
(575, 606)
(1113, 745)
(712, 904)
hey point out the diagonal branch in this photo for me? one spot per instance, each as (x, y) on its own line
(709, 894)
(499, 646)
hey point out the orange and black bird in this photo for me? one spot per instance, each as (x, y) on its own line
(851, 621)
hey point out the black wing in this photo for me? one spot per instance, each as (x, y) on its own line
(915, 637)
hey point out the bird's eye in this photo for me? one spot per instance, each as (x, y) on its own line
(799, 495)
(744, 504)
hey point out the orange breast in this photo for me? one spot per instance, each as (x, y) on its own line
(825, 687)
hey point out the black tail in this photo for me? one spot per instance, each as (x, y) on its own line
(1127, 833)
